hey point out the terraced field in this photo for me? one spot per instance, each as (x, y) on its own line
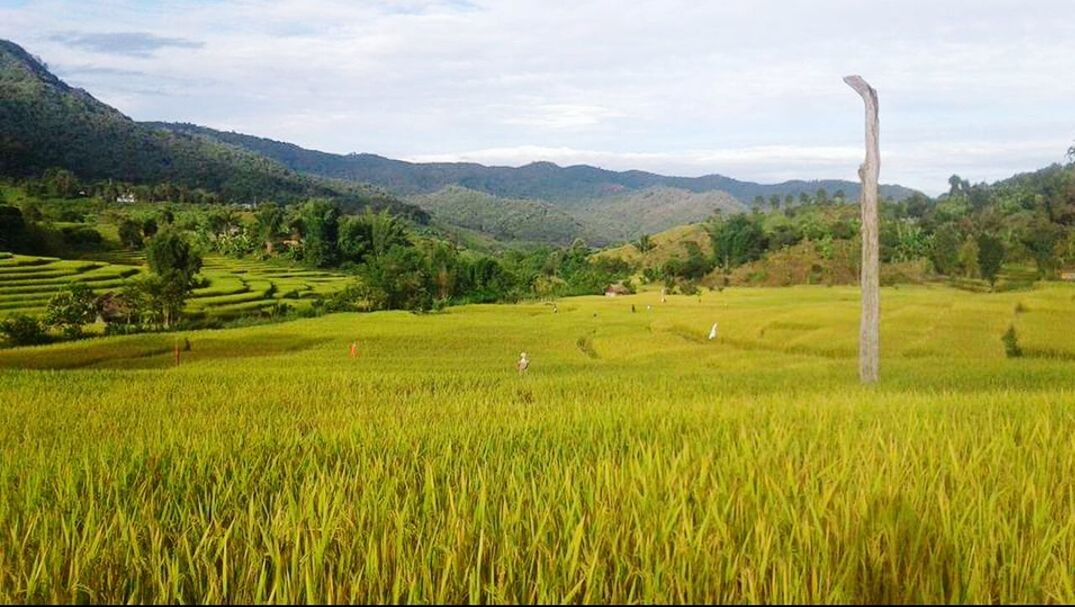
(636, 461)
(235, 287)
(27, 283)
(238, 287)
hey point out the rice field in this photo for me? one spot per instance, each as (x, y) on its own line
(636, 461)
(235, 287)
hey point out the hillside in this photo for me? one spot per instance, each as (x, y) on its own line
(45, 123)
(504, 219)
(632, 214)
(540, 180)
(609, 206)
(667, 245)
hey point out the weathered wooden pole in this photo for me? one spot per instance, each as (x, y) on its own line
(870, 324)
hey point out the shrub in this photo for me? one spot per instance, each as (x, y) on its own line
(23, 330)
(70, 308)
(688, 287)
(991, 255)
(130, 234)
(81, 237)
(1011, 343)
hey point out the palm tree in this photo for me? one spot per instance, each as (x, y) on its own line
(644, 244)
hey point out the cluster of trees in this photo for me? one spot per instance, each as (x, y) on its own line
(62, 184)
(152, 301)
(27, 230)
(776, 202)
(396, 267)
(972, 231)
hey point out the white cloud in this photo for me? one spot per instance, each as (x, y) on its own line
(560, 115)
(748, 89)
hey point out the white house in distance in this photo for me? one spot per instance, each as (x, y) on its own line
(126, 198)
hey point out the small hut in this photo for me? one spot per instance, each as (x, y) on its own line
(615, 290)
(1068, 274)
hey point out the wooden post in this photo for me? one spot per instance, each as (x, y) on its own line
(870, 325)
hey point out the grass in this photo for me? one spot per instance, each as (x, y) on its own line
(635, 462)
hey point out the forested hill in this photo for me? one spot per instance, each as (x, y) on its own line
(538, 180)
(44, 123)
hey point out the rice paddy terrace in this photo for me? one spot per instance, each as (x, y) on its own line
(636, 461)
(235, 287)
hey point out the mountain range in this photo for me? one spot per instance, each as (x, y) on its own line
(46, 123)
(537, 180)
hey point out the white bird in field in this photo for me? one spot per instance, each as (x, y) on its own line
(713, 332)
(523, 364)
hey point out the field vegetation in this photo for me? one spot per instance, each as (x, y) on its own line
(636, 460)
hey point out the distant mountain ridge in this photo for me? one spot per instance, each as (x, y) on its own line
(505, 219)
(45, 123)
(537, 180)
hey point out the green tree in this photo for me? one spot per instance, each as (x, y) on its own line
(149, 227)
(957, 186)
(1042, 239)
(159, 301)
(269, 220)
(61, 183)
(170, 256)
(70, 308)
(356, 239)
(397, 280)
(386, 232)
(320, 223)
(944, 252)
(12, 229)
(737, 240)
(23, 330)
(175, 263)
(444, 270)
(130, 234)
(968, 258)
(990, 257)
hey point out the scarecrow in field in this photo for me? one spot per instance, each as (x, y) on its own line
(523, 364)
(662, 295)
(713, 332)
(354, 348)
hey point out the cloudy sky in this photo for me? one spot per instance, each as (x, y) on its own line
(750, 89)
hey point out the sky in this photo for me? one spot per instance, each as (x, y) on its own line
(748, 89)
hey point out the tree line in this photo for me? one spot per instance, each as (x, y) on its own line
(971, 231)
